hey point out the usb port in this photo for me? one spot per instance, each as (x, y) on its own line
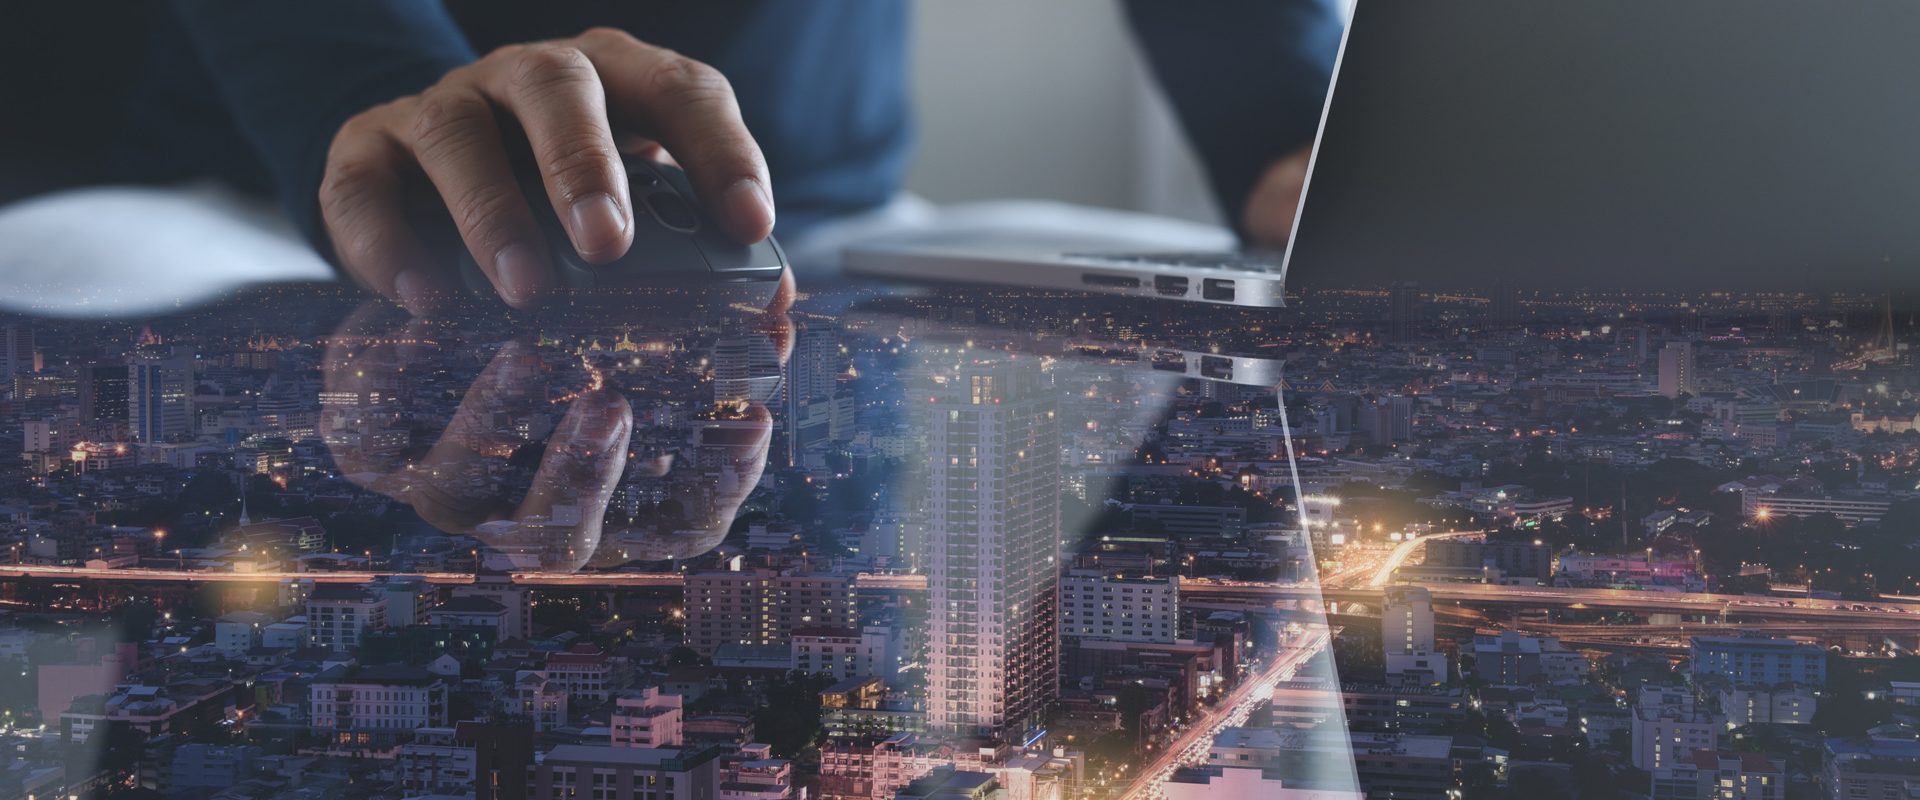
(1110, 281)
(1170, 285)
(1218, 289)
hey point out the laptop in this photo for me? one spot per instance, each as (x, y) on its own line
(1761, 145)
(1090, 263)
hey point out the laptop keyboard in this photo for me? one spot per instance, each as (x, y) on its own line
(1220, 259)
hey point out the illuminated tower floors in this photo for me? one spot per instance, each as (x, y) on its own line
(994, 448)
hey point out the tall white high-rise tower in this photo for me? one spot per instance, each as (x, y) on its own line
(994, 444)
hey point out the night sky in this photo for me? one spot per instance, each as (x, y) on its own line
(1741, 144)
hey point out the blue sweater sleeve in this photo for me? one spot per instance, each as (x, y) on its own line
(1247, 78)
(291, 73)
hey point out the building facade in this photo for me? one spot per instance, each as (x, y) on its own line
(1096, 605)
(994, 444)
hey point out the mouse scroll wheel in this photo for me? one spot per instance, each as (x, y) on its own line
(673, 212)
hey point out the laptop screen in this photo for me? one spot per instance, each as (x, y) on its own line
(1749, 145)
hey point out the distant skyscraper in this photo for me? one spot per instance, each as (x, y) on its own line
(994, 447)
(810, 388)
(1503, 307)
(159, 396)
(16, 352)
(1637, 342)
(1386, 420)
(1679, 372)
(103, 394)
(1403, 311)
(815, 361)
(745, 367)
(1783, 321)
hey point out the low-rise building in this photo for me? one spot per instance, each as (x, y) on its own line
(1714, 775)
(584, 672)
(540, 699)
(211, 766)
(472, 611)
(338, 613)
(572, 771)
(435, 762)
(1238, 783)
(348, 701)
(1759, 660)
(647, 718)
(1885, 763)
(1786, 704)
(1507, 658)
(237, 632)
(753, 773)
(1669, 727)
(1097, 605)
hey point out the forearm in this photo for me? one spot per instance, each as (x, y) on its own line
(291, 73)
(1248, 79)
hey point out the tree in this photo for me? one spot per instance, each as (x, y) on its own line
(133, 622)
(789, 719)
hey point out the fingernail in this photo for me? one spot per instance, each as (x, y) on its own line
(749, 208)
(597, 225)
(521, 271)
(414, 289)
(597, 419)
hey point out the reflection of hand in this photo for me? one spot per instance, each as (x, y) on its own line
(1268, 219)
(443, 149)
(468, 483)
(460, 484)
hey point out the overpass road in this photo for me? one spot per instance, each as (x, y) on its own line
(1732, 606)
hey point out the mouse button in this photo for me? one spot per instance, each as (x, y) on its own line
(665, 176)
(656, 251)
(640, 179)
(673, 211)
(739, 260)
(573, 274)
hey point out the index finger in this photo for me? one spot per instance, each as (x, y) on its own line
(691, 109)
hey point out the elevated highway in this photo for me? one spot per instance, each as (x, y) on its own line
(1483, 595)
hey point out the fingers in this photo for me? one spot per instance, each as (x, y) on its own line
(363, 211)
(569, 97)
(451, 488)
(1275, 200)
(365, 354)
(577, 477)
(456, 140)
(775, 322)
(691, 109)
(733, 453)
(555, 93)
(740, 447)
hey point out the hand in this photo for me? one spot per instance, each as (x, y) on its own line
(1268, 219)
(542, 494)
(446, 151)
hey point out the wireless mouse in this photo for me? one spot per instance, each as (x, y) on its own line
(675, 243)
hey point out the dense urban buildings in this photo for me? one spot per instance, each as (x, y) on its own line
(1024, 545)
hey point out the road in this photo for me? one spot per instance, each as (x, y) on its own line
(1549, 596)
(1801, 608)
(1191, 746)
(1404, 550)
(607, 580)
